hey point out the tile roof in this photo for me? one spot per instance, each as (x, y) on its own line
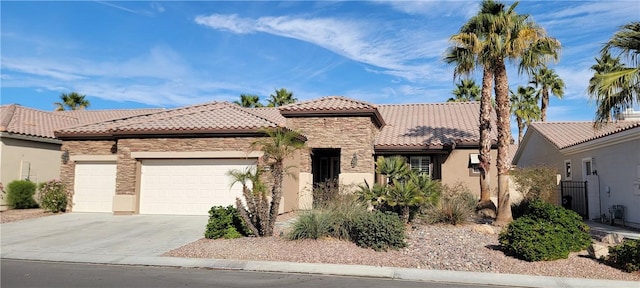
(333, 105)
(566, 134)
(32, 122)
(270, 113)
(213, 117)
(430, 125)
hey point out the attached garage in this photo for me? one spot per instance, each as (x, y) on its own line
(188, 186)
(94, 187)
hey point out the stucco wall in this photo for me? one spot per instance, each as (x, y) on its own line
(618, 169)
(455, 169)
(539, 151)
(39, 160)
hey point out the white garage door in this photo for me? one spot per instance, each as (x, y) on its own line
(94, 187)
(188, 186)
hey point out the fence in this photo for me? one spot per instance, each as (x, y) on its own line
(574, 197)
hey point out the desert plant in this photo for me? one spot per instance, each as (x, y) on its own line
(334, 219)
(455, 205)
(225, 222)
(20, 194)
(379, 231)
(625, 256)
(254, 192)
(545, 232)
(538, 182)
(53, 196)
(325, 192)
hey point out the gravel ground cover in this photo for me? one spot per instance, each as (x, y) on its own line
(22, 214)
(442, 247)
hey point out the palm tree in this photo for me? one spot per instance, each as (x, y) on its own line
(615, 86)
(73, 101)
(497, 35)
(256, 213)
(466, 90)
(249, 101)
(524, 105)
(547, 81)
(280, 144)
(281, 97)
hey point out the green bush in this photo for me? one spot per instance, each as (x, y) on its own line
(455, 206)
(538, 182)
(225, 222)
(20, 194)
(379, 231)
(545, 232)
(334, 220)
(53, 196)
(625, 256)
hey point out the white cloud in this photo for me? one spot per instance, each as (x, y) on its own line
(402, 54)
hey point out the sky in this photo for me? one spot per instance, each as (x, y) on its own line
(138, 54)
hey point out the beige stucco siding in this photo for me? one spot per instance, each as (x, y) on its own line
(20, 159)
(540, 152)
(455, 169)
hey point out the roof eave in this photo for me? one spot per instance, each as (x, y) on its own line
(373, 113)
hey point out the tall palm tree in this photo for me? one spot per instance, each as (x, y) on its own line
(605, 64)
(466, 90)
(73, 101)
(280, 144)
(524, 105)
(547, 81)
(281, 97)
(616, 87)
(496, 35)
(249, 101)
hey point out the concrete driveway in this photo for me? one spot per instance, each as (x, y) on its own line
(97, 237)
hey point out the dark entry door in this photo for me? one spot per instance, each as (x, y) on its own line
(325, 165)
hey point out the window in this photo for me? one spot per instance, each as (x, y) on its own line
(587, 167)
(422, 164)
(474, 163)
(567, 169)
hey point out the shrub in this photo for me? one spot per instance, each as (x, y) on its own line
(225, 222)
(545, 232)
(456, 205)
(20, 194)
(379, 231)
(334, 220)
(325, 192)
(538, 182)
(625, 256)
(53, 196)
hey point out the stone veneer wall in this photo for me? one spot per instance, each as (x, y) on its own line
(350, 134)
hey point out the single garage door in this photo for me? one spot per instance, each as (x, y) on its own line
(94, 187)
(188, 186)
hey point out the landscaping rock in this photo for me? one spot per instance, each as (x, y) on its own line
(598, 251)
(484, 228)
(613, 238)
(486, 213)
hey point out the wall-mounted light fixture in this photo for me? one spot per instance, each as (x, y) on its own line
(65, 157)
(354, 160)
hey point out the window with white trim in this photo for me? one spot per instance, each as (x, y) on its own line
(422, 164)
(474, 163)
(567, 169)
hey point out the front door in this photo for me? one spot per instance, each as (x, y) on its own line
(325, 165)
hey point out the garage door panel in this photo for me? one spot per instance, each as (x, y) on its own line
(94, 187)
(188, 186)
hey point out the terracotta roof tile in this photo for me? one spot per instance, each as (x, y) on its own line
(566, 134)
(329, 103)
(93, 116)
(270, 113)
(31, 122)
(430, 125)
(208, 117)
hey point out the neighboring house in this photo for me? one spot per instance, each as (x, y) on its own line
(28, 147)
(175, 161)
(608, 159)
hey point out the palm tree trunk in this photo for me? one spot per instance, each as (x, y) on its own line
(503, 111)
(277, 171)
(544, 103)
(520, 129)
(485, 139)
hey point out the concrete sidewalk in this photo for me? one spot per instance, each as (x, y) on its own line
(141, 239)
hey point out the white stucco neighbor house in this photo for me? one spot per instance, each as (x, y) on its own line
(606, 159)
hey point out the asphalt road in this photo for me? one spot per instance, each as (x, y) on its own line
(19, 273)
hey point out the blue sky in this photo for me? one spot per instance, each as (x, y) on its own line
(168, 54)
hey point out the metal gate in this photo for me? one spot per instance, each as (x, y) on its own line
(574, 197)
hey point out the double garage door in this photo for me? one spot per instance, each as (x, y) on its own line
(176, 186)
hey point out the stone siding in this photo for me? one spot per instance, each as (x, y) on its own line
(350, 134)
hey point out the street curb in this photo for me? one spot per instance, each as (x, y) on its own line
(408, 274)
